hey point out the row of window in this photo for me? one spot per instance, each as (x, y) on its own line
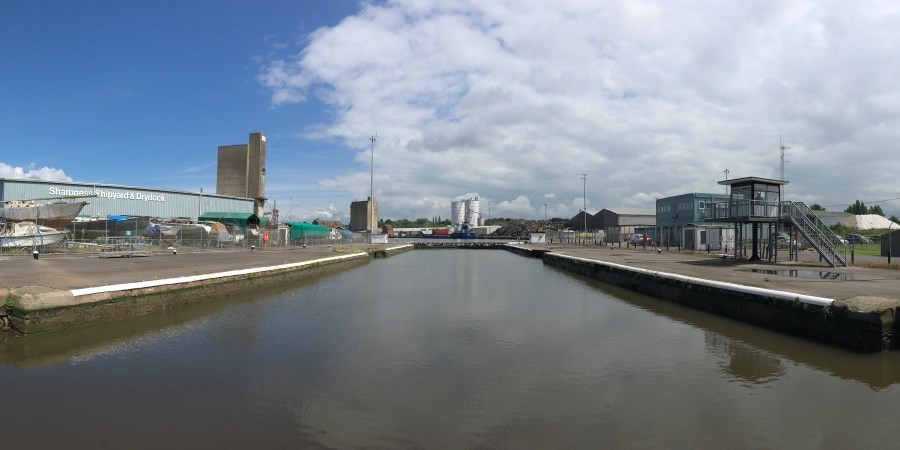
(681, 206)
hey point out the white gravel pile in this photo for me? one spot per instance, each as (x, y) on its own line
(871, 222)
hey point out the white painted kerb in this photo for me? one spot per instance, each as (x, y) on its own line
(783, 295)
(209, 276)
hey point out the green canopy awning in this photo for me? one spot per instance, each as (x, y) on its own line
(305, 229)
(242, 220)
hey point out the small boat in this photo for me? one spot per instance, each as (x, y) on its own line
(112, 226)
(53, 215)
(28, 234)
(164, 230)
(463, 233)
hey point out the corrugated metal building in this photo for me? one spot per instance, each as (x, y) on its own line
(619, 224)
(126, 200)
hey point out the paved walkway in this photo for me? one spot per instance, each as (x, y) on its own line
(68, 273)
(808, 276)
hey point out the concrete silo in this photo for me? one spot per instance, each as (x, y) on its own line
(473, 212)
(457, 213)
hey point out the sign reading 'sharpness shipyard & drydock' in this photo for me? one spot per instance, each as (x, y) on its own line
(142, 196)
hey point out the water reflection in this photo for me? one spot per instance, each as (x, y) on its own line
(800, 273)
(877, 370)
(80, 344)
(742, 361)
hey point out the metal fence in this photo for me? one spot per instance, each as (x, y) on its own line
(125, 246)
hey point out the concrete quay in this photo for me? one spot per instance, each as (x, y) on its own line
(853, 307)
(54, 293)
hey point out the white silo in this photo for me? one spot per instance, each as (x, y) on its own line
(473, 213)
(457, 212)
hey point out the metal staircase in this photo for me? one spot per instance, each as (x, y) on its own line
(832, 250)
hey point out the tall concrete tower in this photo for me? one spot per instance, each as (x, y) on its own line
(242, 170)
(361, 215)
(256, 170)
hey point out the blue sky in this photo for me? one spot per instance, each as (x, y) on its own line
(511, 100)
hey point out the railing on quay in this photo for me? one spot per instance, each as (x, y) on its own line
(744, 209)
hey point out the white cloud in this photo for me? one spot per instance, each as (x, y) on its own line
(33, 173)
(516, 98)
(517, 207)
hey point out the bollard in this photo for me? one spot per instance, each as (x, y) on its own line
(174, 251)
(252, 247)
(35, 254)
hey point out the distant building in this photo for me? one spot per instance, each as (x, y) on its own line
(582, 223)
(361, 217)
(681, 221)
(242, 170)
(619, 224)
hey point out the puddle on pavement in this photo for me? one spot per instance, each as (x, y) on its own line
(837, 276)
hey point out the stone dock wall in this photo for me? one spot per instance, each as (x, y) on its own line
(855, 324)
(37, 309)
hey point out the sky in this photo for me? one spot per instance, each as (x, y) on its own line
(513, 101)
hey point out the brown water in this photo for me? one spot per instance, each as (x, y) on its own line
(441, 349)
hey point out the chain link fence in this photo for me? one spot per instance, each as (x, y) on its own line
(126, 246)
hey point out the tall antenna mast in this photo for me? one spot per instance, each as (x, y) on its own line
(784, 161)
(784, 155)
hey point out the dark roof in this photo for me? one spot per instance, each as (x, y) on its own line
(746, 180)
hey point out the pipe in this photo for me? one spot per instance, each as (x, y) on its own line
(781, 295)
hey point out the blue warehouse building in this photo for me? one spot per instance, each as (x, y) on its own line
(107, 199)
(681, 221)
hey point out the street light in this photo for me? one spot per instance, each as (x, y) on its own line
(372, 189)
(584, 198)
(726, 179)
(889, 243)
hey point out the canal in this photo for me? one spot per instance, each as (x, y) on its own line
(441, 349)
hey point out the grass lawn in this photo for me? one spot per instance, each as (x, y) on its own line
(865, 249)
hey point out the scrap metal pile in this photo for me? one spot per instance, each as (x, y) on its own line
(520, 229)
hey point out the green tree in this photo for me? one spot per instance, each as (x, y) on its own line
(817, 207)
(857, 208)
(876, 210)
(894, 219)
(841, 229)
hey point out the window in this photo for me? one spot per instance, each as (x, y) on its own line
(702, 205)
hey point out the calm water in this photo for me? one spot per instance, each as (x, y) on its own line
(442, 349)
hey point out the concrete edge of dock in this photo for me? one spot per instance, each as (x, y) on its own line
(36, 309)
(860, 323)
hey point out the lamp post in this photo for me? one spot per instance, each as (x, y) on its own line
(889, 243)
(545, 212)
(726, 179)
(584, 199)
(372, 189)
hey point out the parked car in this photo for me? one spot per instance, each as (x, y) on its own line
(875, 238)
(637, 239)
(858, 239)
(783, 239)
(842, 239)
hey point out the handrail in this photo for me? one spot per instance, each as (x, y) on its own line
(813, 229)
(746, 209)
